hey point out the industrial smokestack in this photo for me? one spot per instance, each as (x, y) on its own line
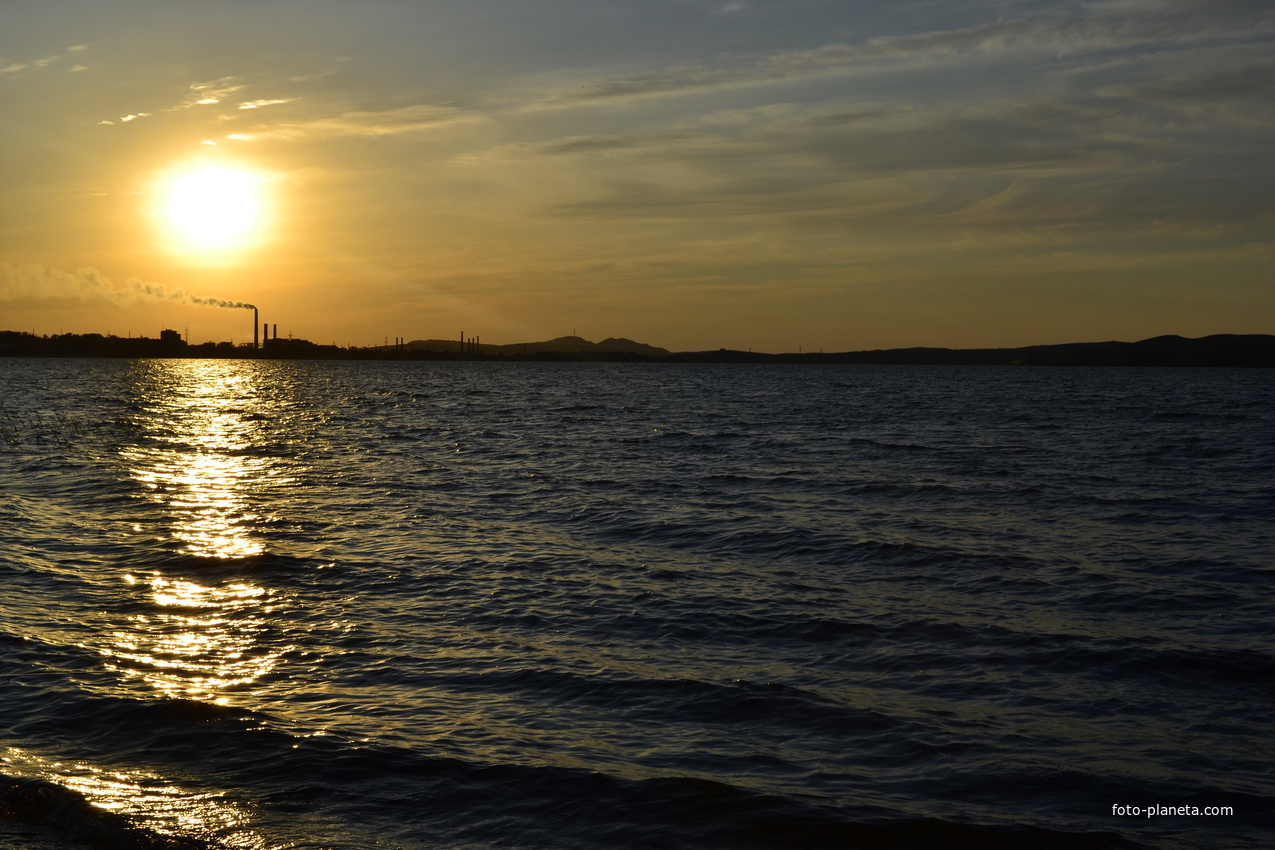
(256, 343)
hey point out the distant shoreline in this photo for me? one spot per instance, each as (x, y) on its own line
(1218, 350)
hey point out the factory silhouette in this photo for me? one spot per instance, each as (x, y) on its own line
(268, 344)
(1217, 350)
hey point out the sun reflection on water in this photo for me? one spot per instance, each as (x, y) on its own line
(199, 642)
(202, 461)
(155, 803)
(208, 460)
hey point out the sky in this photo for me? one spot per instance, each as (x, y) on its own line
(774, 175)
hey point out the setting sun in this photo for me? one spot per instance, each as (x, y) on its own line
(213, 210)
(550, 424)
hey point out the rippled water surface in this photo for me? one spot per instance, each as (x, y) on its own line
(253, 604)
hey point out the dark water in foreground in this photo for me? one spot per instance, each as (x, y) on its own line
(348, 605)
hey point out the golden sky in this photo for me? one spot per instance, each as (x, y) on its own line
(690, 174)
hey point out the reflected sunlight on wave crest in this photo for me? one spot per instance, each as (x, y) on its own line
(203, 426)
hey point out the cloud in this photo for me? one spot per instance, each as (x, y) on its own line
(614, 142)
(1072, 157)
(1251, 84)
(44, 62)
(257, 104)
(206, 94)
(210, 94)
(392, 122)
(1129, 143)
(1048, 36)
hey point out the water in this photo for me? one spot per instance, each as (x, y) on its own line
(352, 605)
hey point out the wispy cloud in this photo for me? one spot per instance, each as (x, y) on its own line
(1251, 83)
(369, 123)
(258, 104)
(1083, 158)
(43, 62)
(212, 93)
(125, 119)
(207, 94)
(306, 78)
(1092, 29)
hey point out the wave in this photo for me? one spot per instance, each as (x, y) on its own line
(67, 815)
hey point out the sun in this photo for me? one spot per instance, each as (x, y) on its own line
(213, 210)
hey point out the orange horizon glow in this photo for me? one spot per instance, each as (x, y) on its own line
(871, 179)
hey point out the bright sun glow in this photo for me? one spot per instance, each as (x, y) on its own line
(213, 210)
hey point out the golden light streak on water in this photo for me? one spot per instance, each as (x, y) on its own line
(201, 638)
(198, 464)
(200, 641)
(149, 800)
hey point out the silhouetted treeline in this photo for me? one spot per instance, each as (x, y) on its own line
(14, 343)
(1216, 350)
(170, 344)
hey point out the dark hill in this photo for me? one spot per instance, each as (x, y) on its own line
(1216, 350)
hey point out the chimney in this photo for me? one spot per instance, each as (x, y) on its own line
(255, 341)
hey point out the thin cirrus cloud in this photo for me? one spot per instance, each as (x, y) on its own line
(200, 94)
(258, 104)
(210, 94)
(1057, 125)
(1106, 137)
(44, 62)
(1158, 26)
(368, 123)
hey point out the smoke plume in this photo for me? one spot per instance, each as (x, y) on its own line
(32, 280)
